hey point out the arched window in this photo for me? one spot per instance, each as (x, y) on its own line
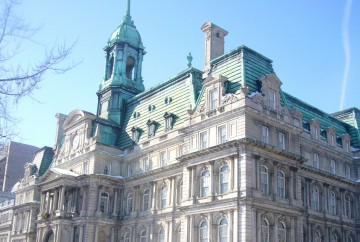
(163, 197)
(281, 184)
(110, 67)
(161, 235)
(282, 232)
(223, 230)
(127, 237)
(264, 230)
(349, 239)
(143, 236)
(129, 203)
(205, 183)
(348, 206)
(204, 232)
(130, 64)
(317, 236)
(332, 202)
(224, 179)
(334, 237)
(104, 202)
(315, 198)
(146, 199)
(264, 179)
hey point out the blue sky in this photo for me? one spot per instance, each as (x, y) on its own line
(314, 45)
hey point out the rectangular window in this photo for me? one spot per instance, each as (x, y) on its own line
(213, 99)
(86, 167)
(146, 164)
(316, 133)
(107, 169)
(265, 135)
(193, 142)
(332, 140)
(333, 167)
(316, 162)
(181, 150)
(272, 99)
(282, 141)
(163, 158)
(203, 140)
(222, 134)
(233, 130)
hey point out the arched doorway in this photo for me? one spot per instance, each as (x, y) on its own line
(49, 237)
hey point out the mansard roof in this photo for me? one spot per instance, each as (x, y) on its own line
(174, 96)
(43, 159)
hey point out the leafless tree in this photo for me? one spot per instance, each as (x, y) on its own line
(19, 80)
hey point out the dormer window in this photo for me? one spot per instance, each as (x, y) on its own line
(151, 127)
(135, 134)
(168, 121)
(130, 64)
(272, 99)
(213, 99)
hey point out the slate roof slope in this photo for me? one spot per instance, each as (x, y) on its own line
(182, 94)
(351, 116)
(43, 159)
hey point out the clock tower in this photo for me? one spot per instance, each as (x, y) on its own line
(124, 54)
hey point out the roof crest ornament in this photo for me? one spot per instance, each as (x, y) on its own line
(128, 8)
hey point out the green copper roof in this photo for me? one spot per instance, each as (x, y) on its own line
(126, 32)
(351, 116)
(173, 97)
(44, 158)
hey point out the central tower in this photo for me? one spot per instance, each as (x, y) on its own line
(124, 55)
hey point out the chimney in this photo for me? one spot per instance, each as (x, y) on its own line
(214, 42)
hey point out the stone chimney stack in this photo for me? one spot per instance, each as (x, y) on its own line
(214, 42)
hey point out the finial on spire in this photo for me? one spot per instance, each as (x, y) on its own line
(128, 8)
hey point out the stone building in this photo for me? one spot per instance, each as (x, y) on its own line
(222, 155)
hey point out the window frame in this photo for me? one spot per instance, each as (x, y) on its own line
(282, 141)
(332, 202)
(222, 134)
(213, 99)
(264, 179)
(316, 160)
(163, 197)
(163, 158)
(205, 183)
(104, 202)
(204, 231)
(223, 227)
(203, 140)
(272, 99)
(315, 198)
(264, 230)
(146, 200)
(224, 175)
(265, 134)
(129, 202)
(281, 180)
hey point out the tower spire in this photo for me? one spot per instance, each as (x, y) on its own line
(128, 8)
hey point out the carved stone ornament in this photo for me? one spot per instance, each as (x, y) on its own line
(201, 108)
(230, 98)
(257, 97)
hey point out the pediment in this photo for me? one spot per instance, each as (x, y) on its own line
(56, 173)
(75, 117)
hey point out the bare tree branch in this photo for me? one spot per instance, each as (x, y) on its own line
(18, 80)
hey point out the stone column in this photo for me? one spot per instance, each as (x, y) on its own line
(76, 197)
(42, 202)
(191, 229)
(274, 184)
(153, 196)
(193, 184)
(230, 225)
(97, 212)
(325, 196)
(173, 192)
(48, 202)
(114, 214)
(62, 199)
(58, 233)
(291, 185)
(276, 228)
(212, 181)
(56, 198)
(83, 205)
(81, 233)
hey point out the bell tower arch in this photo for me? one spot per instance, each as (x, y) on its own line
(123, 66)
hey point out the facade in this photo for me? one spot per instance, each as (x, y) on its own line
(222, 155)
